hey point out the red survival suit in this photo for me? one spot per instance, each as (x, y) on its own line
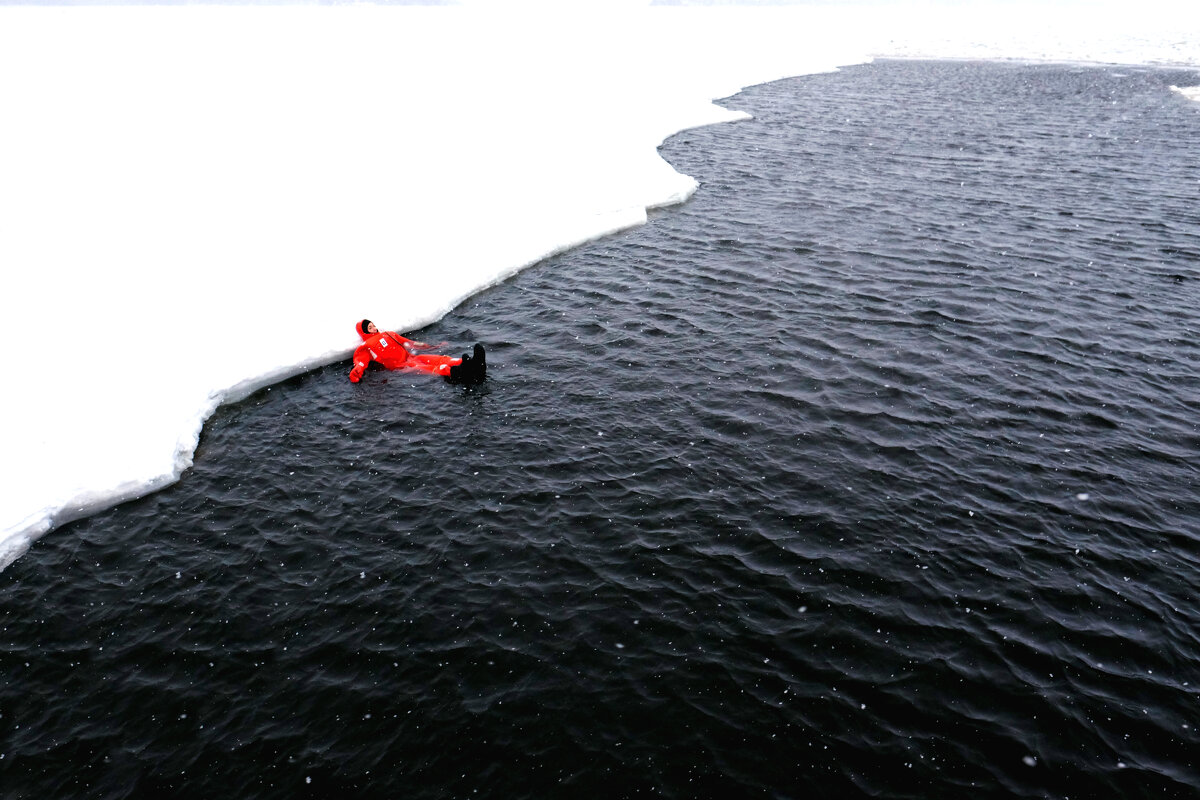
(391, 350)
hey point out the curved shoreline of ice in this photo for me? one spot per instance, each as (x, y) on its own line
(189, 185)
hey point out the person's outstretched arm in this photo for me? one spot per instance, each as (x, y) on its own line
(362, 357)
(409, 344)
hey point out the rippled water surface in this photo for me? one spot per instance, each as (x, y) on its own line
(870, 471)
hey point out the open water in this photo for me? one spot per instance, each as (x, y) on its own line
(870, 471)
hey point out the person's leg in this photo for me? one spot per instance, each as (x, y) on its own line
(438, 365)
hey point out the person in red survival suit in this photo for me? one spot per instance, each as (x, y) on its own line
(394, 351)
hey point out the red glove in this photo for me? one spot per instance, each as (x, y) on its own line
(357, 372)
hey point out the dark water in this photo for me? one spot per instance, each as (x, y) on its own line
(871, 471)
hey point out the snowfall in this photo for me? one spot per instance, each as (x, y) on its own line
(199, 201)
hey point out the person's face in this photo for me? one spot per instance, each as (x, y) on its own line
(371, 328)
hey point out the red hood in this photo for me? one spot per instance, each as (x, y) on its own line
(362, 333)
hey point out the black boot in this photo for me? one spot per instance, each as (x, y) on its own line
(473, 369)
(479, 362)
(461, 373)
